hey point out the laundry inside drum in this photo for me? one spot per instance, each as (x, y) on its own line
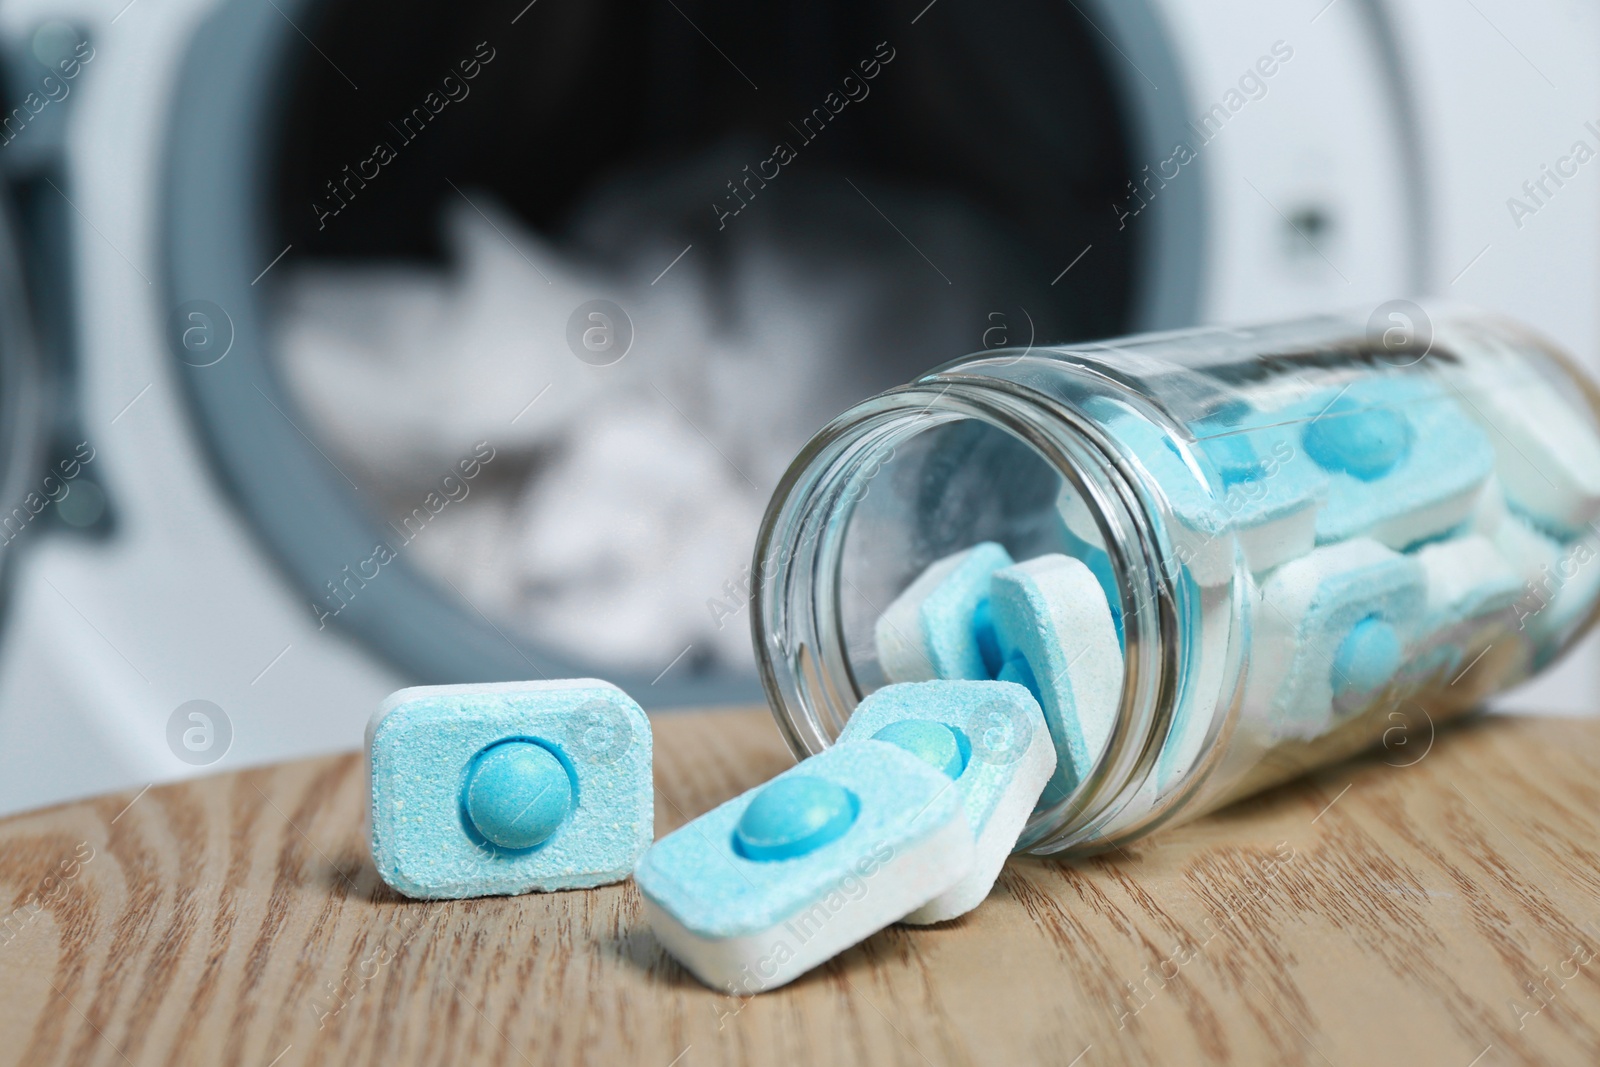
(564, 323)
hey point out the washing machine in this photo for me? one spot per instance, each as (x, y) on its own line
(217, 546)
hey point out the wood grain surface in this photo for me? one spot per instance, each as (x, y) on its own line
(1446, 912)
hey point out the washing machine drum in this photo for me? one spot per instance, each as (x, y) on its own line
(521, 314)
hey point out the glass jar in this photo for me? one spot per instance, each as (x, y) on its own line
(1314, 536)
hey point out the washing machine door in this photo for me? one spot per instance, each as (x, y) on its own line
(27, 488)
(217, 251)
(224, 249)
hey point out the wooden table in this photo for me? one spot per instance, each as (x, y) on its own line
(1443, 913)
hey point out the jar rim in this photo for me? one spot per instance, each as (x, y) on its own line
(798, 633)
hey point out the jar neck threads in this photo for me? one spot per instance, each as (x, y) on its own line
(806, 593)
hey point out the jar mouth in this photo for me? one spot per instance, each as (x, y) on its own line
(802, 594)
